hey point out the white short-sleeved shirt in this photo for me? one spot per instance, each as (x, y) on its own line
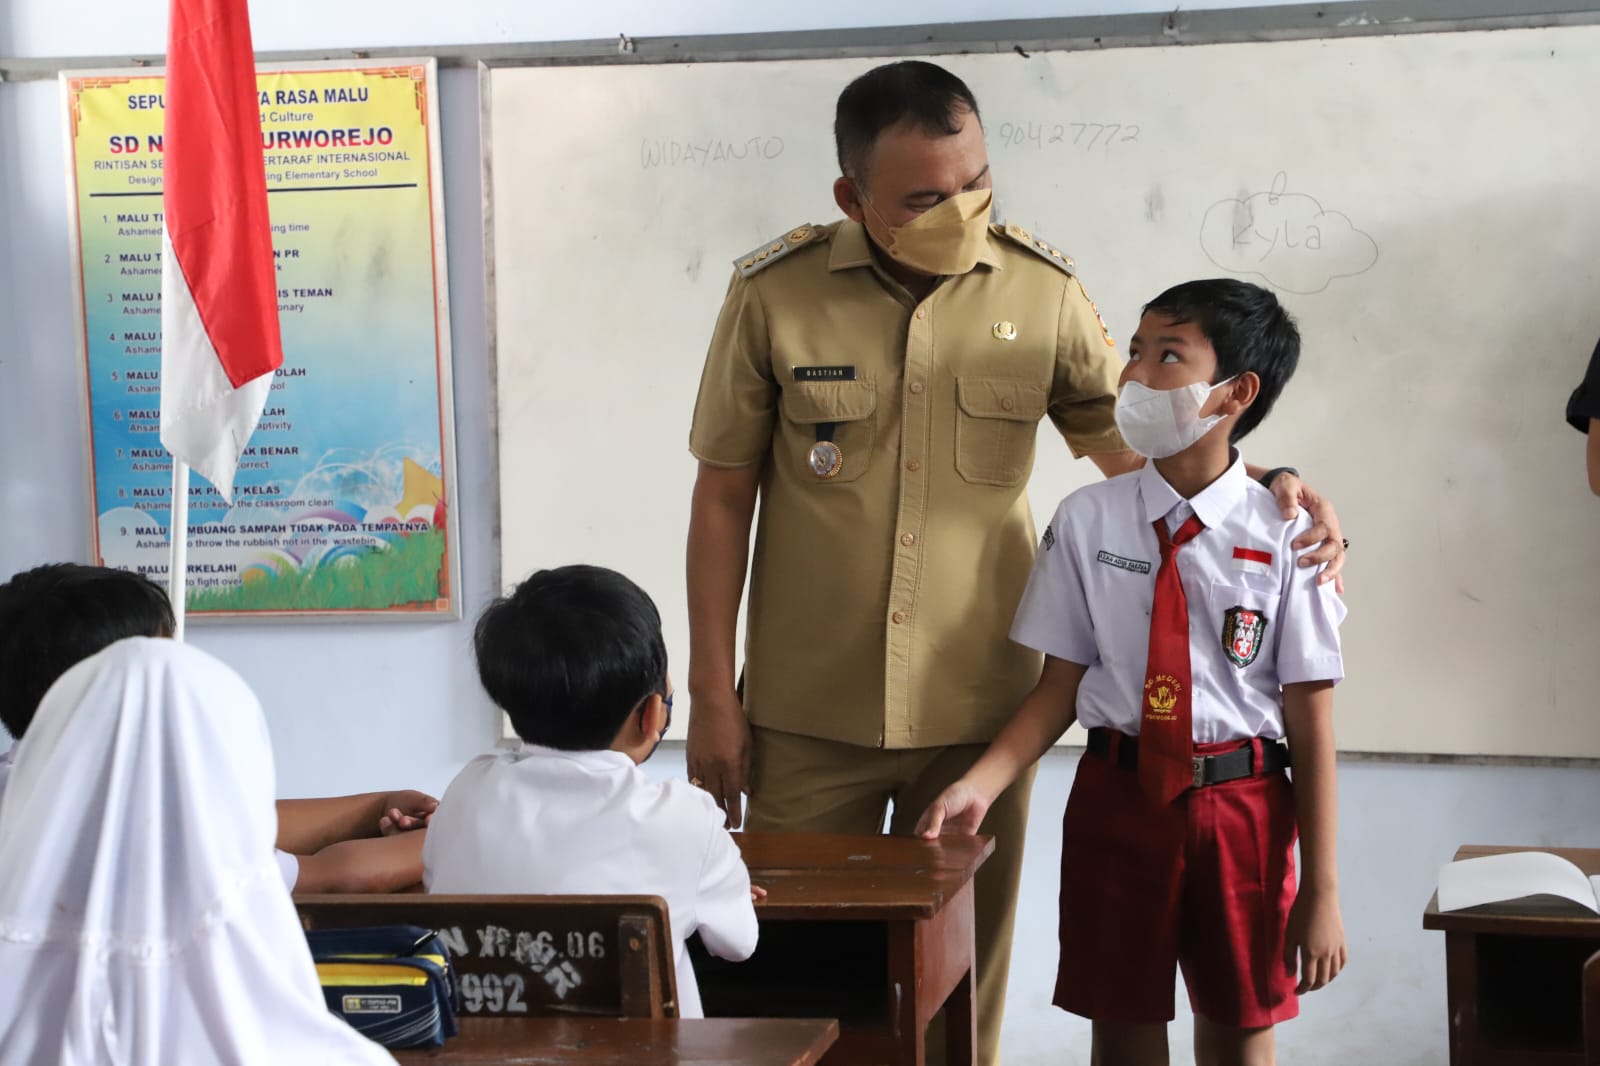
(542, 821)
(1256, 620)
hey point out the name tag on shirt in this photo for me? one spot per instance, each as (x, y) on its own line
(1137, 566)
(824, 373)
(1252, 561)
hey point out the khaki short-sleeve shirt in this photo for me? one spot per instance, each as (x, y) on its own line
(881, 597)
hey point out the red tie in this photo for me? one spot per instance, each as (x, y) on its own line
(1167, 730)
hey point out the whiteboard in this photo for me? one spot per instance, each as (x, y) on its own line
(1428, 206)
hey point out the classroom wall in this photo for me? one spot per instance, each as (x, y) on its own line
(354, 706)
(381, 704)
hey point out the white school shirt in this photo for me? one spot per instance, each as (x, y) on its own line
(546, 822)
(288, 865)
(1256, 620)
(142, 919)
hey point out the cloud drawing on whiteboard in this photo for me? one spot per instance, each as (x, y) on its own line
(1286, 238)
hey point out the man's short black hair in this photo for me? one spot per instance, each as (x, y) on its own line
(570, 654)
(54, 617)
(1248, 328)
(921, 94)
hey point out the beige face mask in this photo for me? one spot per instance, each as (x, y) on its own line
(944, 240)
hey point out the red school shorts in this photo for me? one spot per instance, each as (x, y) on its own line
(1205, 883)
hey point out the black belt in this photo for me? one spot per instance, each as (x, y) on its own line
(1208, 769)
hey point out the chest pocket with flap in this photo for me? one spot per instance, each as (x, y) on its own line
(996, 426)
(850, 406)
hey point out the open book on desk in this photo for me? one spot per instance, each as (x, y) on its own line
(1515, 875)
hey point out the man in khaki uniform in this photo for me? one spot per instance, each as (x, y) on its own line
(879, 382)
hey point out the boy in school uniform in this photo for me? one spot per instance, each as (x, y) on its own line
(575, 658)
(1178, 629)
(53, 617)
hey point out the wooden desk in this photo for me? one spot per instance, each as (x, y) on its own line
(631, 1042)
(876, 931)
(1515, 973)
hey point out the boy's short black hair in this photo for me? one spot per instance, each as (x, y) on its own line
(570, 654)
(923, 94)
(1248, 328)
(54, 617)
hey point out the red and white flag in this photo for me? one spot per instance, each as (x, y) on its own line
(219, 302)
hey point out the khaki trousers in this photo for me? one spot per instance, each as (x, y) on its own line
(802, 784)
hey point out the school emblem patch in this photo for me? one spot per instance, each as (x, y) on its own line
(1242, 633)
(1048, 541)
(1161, 693)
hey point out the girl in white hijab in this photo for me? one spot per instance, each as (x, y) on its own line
(142, 917)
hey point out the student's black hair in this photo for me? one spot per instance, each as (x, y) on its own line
(570, 654)
(1248, 328)
(53, 617)
(921, 94)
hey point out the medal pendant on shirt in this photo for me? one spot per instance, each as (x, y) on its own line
(825, 459)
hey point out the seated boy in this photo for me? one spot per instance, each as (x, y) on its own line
(576, 659)
(1177, 627)
(53, 617)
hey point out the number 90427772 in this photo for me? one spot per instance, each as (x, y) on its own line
(1082, 136)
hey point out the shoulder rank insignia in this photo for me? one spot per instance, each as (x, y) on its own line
(1043, 249)
(758, 259)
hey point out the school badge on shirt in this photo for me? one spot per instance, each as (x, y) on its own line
(1243, 630)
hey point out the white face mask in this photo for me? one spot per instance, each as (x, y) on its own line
(1157, 424)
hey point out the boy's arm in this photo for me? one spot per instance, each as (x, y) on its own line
(1315, 939)
(1044, 715)
(306, 826)
(382, 864)
(724, 909)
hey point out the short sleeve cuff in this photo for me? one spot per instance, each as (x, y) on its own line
(1305, 671)
(1039, 638)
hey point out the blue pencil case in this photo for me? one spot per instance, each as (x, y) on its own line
(394, 984)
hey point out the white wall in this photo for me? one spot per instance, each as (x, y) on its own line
(354, 707)
(44, 28)
(351, 706)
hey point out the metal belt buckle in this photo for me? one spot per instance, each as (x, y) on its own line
(1199, 765)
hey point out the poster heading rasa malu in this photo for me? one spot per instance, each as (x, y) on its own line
(344, 501)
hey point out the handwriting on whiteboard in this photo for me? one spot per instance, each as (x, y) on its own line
(1065, 136)
(701, 153)
(1287, 238)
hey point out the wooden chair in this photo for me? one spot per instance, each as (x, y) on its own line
(519, 956)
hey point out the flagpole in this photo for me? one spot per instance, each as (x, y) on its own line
(178, 546)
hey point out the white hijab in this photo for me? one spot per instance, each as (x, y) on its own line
(142, 917)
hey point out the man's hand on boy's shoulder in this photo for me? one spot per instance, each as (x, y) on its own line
(1324, 537)
(405, 811)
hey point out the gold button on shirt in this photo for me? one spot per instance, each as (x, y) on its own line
(881, 597)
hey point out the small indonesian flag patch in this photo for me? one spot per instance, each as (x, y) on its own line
(1252, 561)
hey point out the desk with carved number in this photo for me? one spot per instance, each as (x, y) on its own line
(876, 931)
